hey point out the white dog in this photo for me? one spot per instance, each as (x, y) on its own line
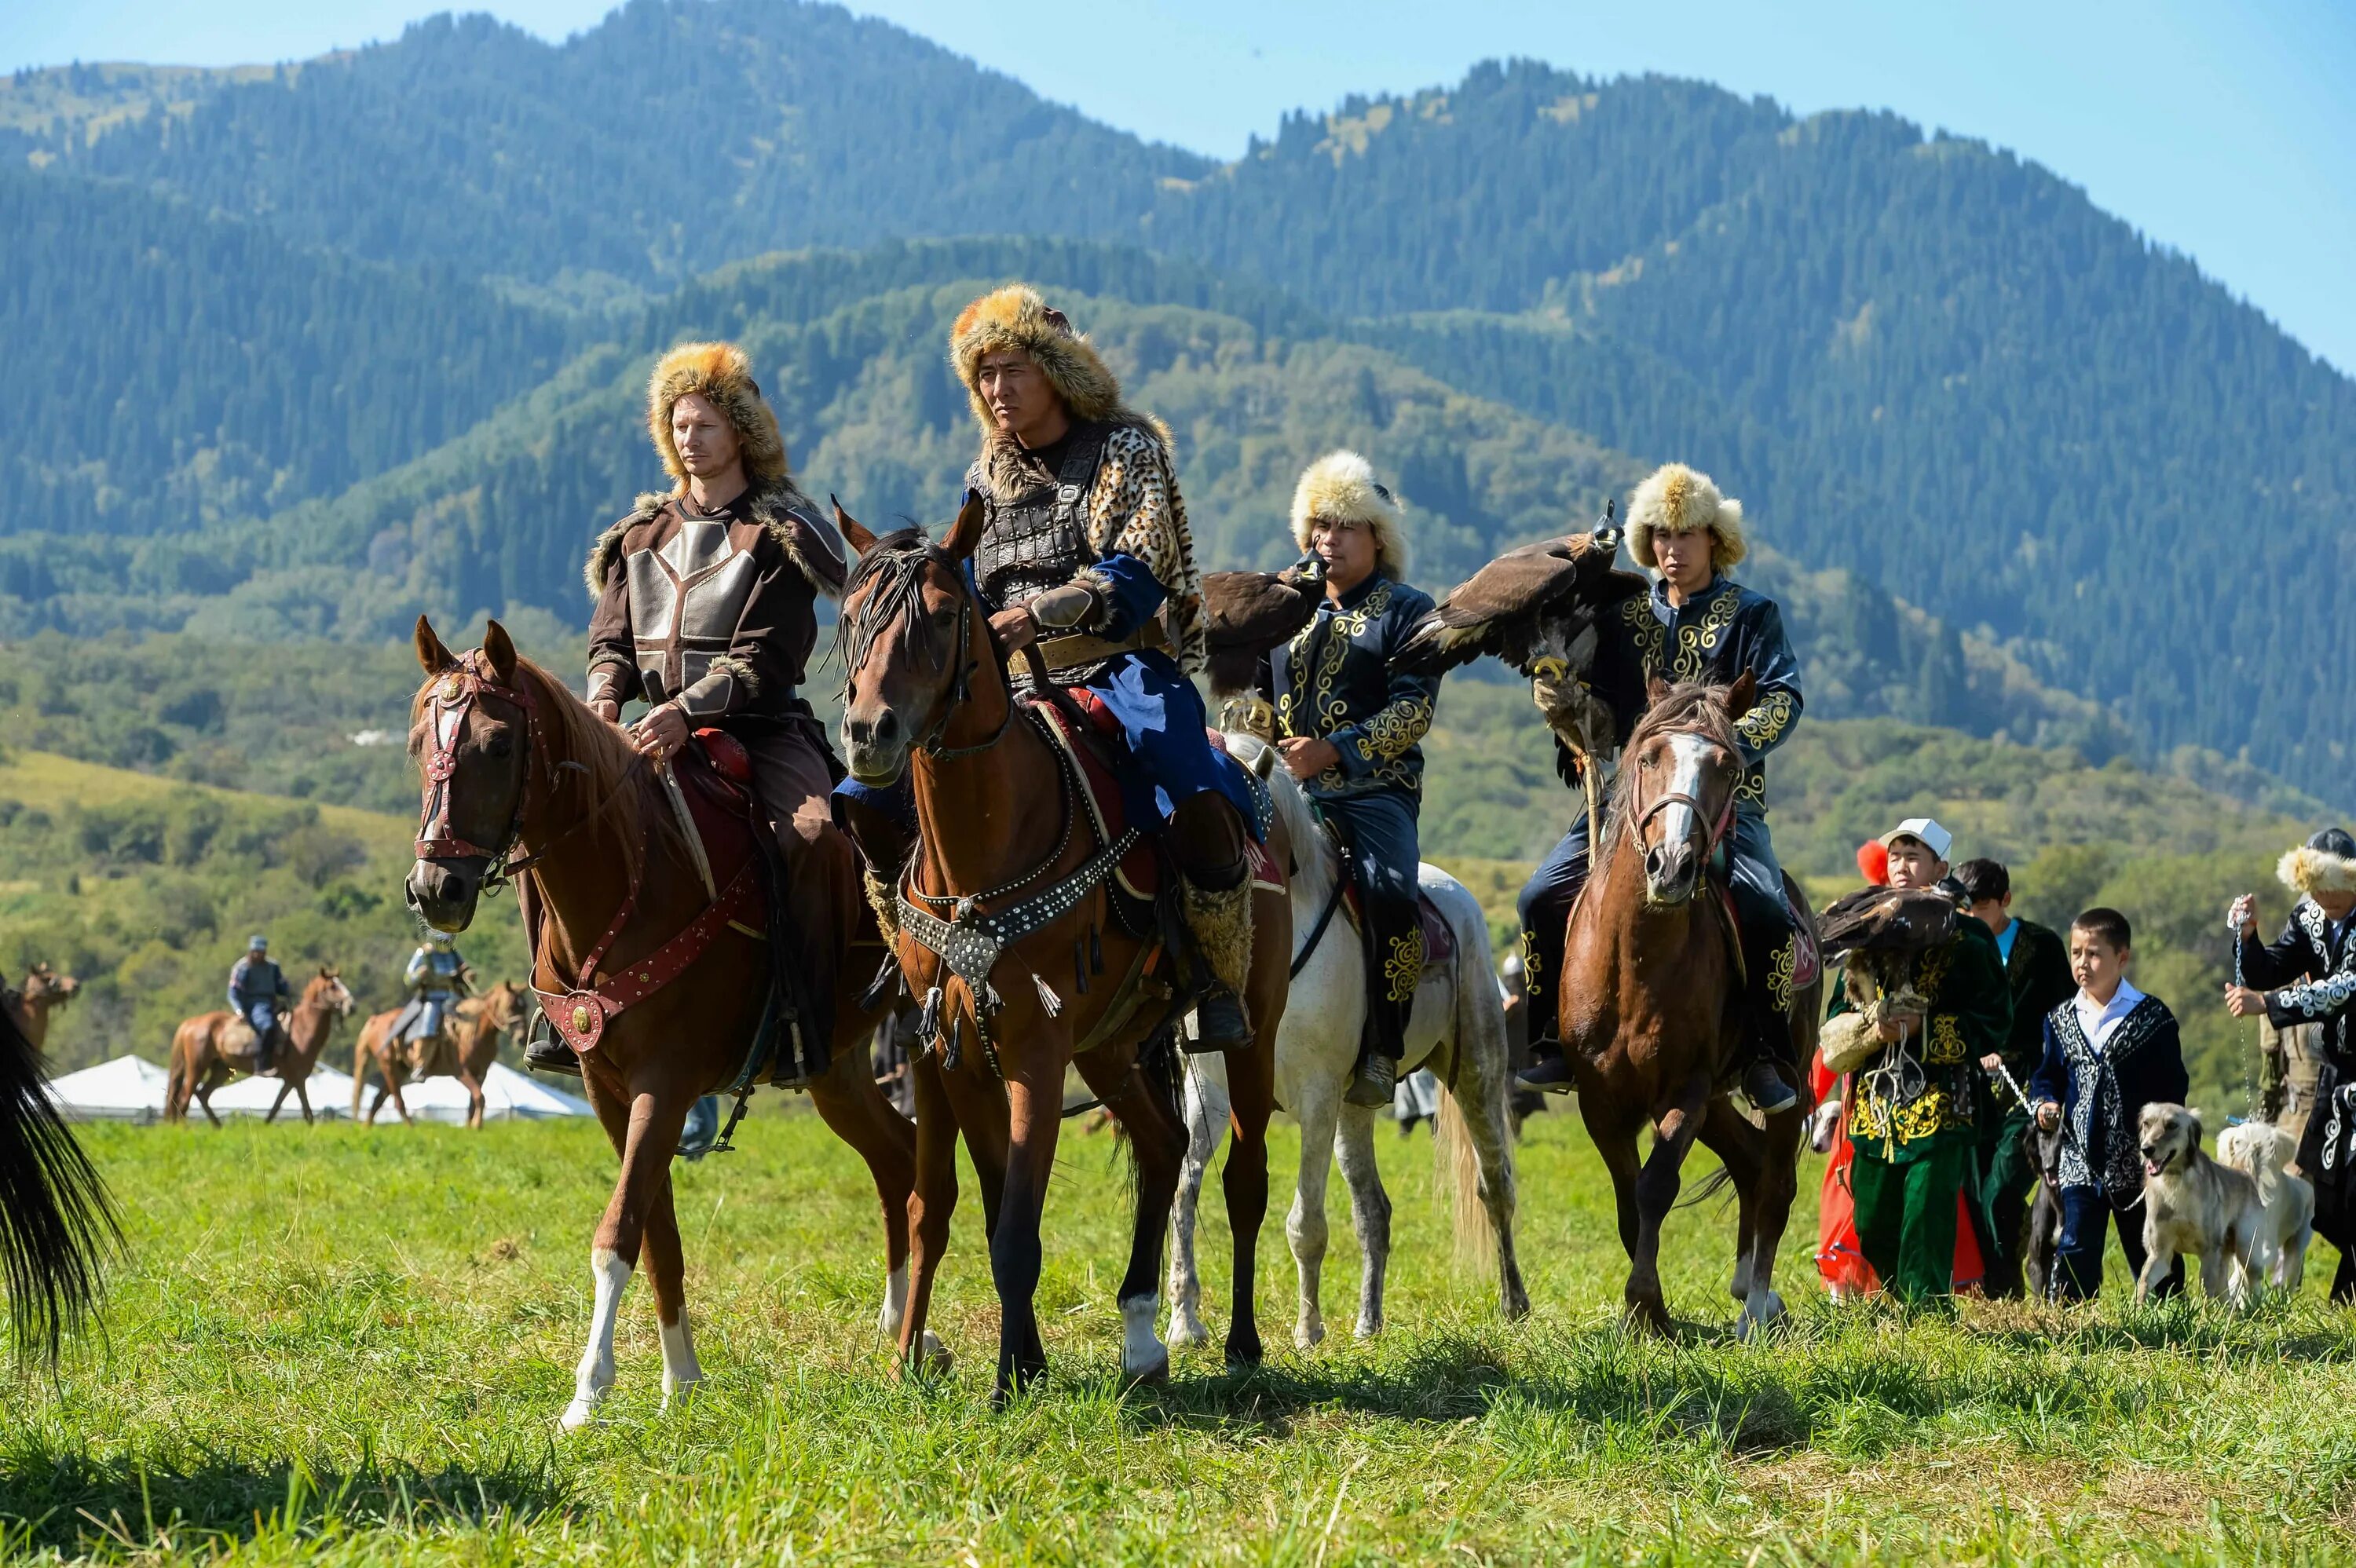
(2264, 1153)
(2192, 1204)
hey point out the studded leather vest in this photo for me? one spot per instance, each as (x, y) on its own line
(1040, 539)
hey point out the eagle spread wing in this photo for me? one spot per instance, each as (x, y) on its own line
(1246, 613)
(1527, 607)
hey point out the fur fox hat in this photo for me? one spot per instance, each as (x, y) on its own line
(1678, 498)
(1016, 318)
(722, 372)
(2324, 864)
(1341, 487)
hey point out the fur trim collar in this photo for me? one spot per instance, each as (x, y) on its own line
(1341, 487)
(1008, 471)
(2309, 871)
(1016, 318)
(788, 516)
(723, 373)
(1675, 498)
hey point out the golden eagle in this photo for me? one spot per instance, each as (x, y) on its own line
(1536, 608)
(1246, 613)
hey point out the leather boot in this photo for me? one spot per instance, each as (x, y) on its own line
(1374, 1084)
(1549, 1070)
(544, 1049)
(1206, 838)
(1767, 1078)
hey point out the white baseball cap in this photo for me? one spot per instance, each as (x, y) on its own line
(1934, 837)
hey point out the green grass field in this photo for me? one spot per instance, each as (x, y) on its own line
(334, 1344)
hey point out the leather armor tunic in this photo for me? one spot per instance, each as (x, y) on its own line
(1040, 540)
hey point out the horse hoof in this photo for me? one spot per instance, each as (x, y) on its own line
(678, 1393)
(577, 1414)
(1156, 1376)
(1307, 1334)
(1187, 1332)
(1367, 1332)
(1516, 1306)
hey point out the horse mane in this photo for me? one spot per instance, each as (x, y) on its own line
(1693, 707)
(895, 565)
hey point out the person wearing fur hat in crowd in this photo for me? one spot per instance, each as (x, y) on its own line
(1697, 625)
(2307, 976)
(1350, 725)
(706, 609)
(1084, 552)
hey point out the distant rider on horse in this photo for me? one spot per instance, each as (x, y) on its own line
(436, 977)
(255, 989)
(1697, 625)
(1350, 725)
(1085, 553)
(706, 610)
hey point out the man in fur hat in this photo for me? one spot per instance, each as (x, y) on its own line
(1697, 625)
(2308, 976)
(1085, 553)
(706, 609)
(1350, 725)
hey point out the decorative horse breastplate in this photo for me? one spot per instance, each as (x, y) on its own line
(1040, 539)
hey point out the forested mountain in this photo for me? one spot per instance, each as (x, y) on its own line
(1919, 361)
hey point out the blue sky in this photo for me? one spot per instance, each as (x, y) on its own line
(2225, 130)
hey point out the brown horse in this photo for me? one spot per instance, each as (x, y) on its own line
(513, 760)
(44, 992)
(1652, 1000)
(927, 693)
(57, 1224)
(473, 1030)
(204, 1056)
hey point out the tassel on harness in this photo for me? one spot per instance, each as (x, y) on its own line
(1047, 998)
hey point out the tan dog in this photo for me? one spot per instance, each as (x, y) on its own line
(2192, 1204)
(2264, 1153)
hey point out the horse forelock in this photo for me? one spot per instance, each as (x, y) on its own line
(891, 572)
(1691, 708)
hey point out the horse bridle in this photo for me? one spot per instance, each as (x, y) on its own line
(1637, 821)
(454, 697)
(862, 640)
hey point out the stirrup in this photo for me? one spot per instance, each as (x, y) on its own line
(1550, 1074)
(1220, 1024)
(1374, 1083)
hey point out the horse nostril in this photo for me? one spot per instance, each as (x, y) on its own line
(886, 730)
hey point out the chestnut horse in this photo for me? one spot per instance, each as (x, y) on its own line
(1652, 1000)
(473, 1026)
(927, 694)
(513, 760)
(44, 992)
(201, 1063)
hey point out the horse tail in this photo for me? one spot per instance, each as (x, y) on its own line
(1478, 1033)
(56, 1223)
(1710, 1186)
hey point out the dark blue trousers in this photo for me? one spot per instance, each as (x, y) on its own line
(2086, 1213)
(1379, 826)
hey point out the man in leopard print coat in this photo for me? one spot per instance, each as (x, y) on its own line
(1085, 554)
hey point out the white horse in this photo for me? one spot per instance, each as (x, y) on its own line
(1457, 1029)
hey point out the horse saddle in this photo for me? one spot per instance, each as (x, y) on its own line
(1091, 751)
(240, 1044)
(1439, 940)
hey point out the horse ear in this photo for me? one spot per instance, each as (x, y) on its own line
(1656, 688)
(966, 532)
(1741, 695)
(500, 650)
(856, 536)
(430, 651)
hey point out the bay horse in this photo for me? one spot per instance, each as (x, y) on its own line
(928, 695)
(513, 760)
(1457, 1029)
(473, 1028)
(44, 992)
(57, 1224)
(1652, 1006)
(202, 1061)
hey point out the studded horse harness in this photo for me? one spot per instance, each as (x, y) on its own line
(581, 1007)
